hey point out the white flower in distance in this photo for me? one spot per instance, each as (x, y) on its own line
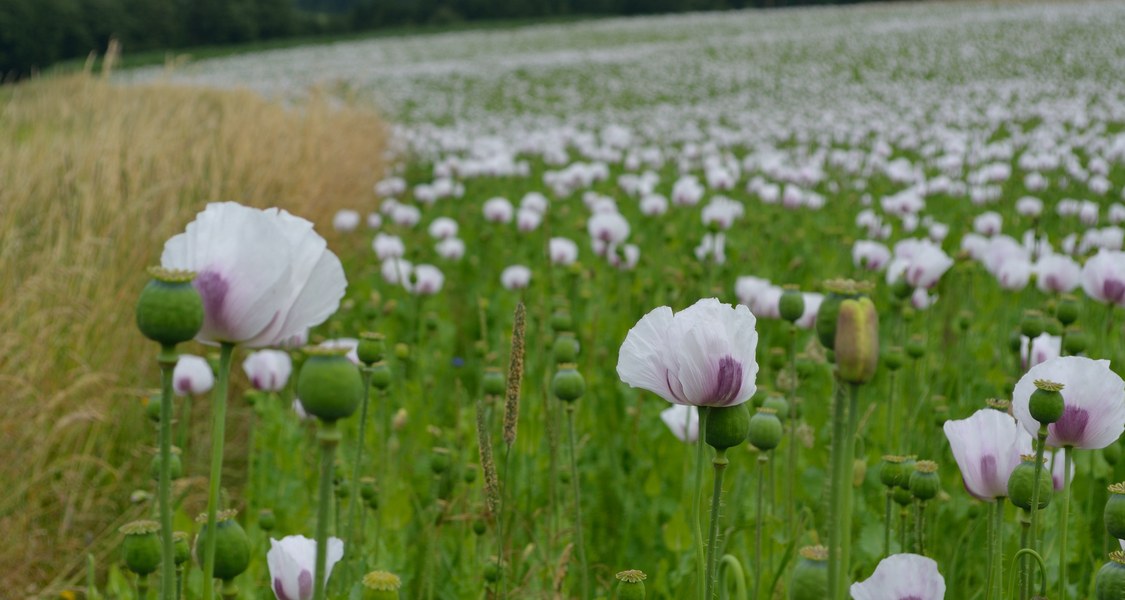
(1014, 274)
(562, 251)
(1029, 206)
(374, 220)
(700, 356)
(443, 228)
(292, 564)
(498, 210)
(397, 271)
(902, 577)
(349, 344)
(869, 255)
(1093, 399)
(345, 220)
(988, 223)
(406, 215)
(192, 375)
(264, 275)
(683, 421)
(1043, 348)
(388, 246)
(528, 220)
(515, 277)
(812, 308)
(1057, 274)
(268, 370)
(534, 201)
(624, 257)
(1103, 277)
(654, 205)
(608, 228)
(987, 447)
(428, 280)
(451, 248)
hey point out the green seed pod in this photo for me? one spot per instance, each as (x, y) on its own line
(1022, 481)
(439, 461)
(1076, 341)
(494, 382)
(469, 475)
(367, 489)
(791, 305)
(480, 527)
(810, 575)
(805, 366)
(779, 405)
(1112, 453)
(568, 384)
(1052, 327)
(1110, 581)
(1032, 324)
(561, 321)
(902, 496)
(381, 585)
(915, 347)
(232, 545)
(175, 465)
(343, 490)
(372, 347)
(566, 348)
(777, 358)
(1015, 340)
(1115, 511)
(141, 547)
(727, 426)
(266, 519)
(373, 502)
(893, 472)
(181, 547)
(924, 481)
(169, 310)
(901, 289)
(152, 407)
(826, 317)
(329, 385)
(631, 585)
(1046, 404)
(1067, 310)
(491, 571)
(402, 351)
(857, 340)
(765, 429)
(894, 358)
(381, 375)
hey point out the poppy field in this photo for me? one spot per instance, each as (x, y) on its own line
(803, 304)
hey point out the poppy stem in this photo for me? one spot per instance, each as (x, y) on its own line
(1032, 542)
(218, 428)
(1067, 458)
(700, 550)
(836, 489)
(791, 476)
(167, 361)
(329, 438)
(357, 469)
(759, 567)
(998, 563)
(720, 464)
(577, 502)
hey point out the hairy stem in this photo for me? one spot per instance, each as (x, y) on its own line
(218, 429)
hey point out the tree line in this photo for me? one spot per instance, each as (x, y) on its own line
(37, 33)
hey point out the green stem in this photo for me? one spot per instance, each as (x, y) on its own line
(835, 488)
(329, 437)
(167, 360)
(357, 469)
(700, 550)
(1024, 567)
(734, 568)
(179, 582)
(577, 503)
(846, 467)
(1024, 553)
(1068, 457)
(902, 525)
(791, 476)
(218, 428)
(91, 578)
(142, 587)
(887, 525)
(999, 563)
(720, 464)
(1040, 445)
(989, 587)
(759, 566)
(892, 431)
(920, 528)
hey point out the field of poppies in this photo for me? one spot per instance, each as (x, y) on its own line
(798, 304)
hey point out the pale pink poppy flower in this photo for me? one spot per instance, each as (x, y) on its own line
(1057, 274)
(345, 220)
(1043, 348)
(1014, 274)
(349, 344)
(987, 447)
(654, 205)
(1103, 277)
(812, 308)
(902, 577)
(268, 370)
(870, 255)
(374, 220)
(264, 275)
(988, 223)
(1029, 206)
(1094, 402)
(451, 248)
(534, 201)
(498, 210)
(443, 228)
(608, 228)
(427, 280)
(683, 421)
(406, 215)
(192, 375)
(292, 565)
(397, 271)
(528, 220)
(562, 251)
(388, 246)
(515, 277)
(700, 356)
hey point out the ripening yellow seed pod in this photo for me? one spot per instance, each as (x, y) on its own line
(857, 340)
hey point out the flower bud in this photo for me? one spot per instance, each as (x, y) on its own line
(568, 384)
(915, 347)
(141, 547)
(494, 382)
(181, 548)
(1046, 404)
(893, 471)
(631, 585)
(1115, 511)
(566, 348)
(266, 520)
(901, 289)
(1076, 341)
(1052, 327)
(381, 375)
(329, 385)
(1067, 310)
(1110, 581)
(561, 321)
(381, 585)
(372, 347)
(810, 575)
(857, 340)
(491, 571)
(791, 305)
(924, 482)
(765, 429)
(727, 426)
(894, 358)
(169, 310)
(152, 406)
(1022, 481)
(1032, 324)
(232, 546)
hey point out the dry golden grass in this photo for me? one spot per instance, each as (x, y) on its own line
(93, 178)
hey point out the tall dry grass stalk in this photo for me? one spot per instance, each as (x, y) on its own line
(93, 178)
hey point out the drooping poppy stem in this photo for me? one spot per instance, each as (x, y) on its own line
(329, 437)
(218, 428)
(167, 361)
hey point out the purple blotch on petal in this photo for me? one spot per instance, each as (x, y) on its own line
(213, 289)
(728, 382)
(1114, 290)
(279, 591)
(1072, 426)
(305, 584)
